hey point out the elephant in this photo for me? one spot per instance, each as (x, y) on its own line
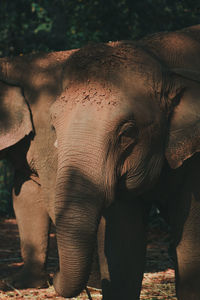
(127, 130)
(113, 127)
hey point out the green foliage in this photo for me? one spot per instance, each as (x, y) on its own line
(27, 26)
(44, 25)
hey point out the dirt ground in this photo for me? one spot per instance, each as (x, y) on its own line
(158, 282)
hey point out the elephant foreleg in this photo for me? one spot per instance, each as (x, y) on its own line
(125, 249)
(188, 269)
(188, 256)
(185, 222)
(33, 223)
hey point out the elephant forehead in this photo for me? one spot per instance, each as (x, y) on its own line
(104, 100)
(96, 96)
(91, 93)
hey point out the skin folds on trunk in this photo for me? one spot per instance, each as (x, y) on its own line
(78, 209)
(78, 205)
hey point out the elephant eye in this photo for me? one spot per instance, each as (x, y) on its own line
(128, 134)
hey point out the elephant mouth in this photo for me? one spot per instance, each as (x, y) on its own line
(141, 178)
(126, 184)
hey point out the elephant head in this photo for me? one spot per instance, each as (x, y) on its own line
(112, 123)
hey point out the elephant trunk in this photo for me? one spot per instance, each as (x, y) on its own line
(78, 204)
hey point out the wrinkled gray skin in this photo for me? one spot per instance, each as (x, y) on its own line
(122, 113)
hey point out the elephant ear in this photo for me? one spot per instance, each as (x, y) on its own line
(15, 116)
(184, 132)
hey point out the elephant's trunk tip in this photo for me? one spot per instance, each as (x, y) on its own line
(63, 288)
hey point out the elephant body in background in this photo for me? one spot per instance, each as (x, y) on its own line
(123, 116)
(29, 87)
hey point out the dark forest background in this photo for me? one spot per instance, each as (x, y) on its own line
(45, 25)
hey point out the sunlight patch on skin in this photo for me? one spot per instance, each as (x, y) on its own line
(56, 144)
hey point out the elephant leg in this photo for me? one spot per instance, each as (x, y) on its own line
(185, 222)
(188, 255)
(33, 223)
(125, 249)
